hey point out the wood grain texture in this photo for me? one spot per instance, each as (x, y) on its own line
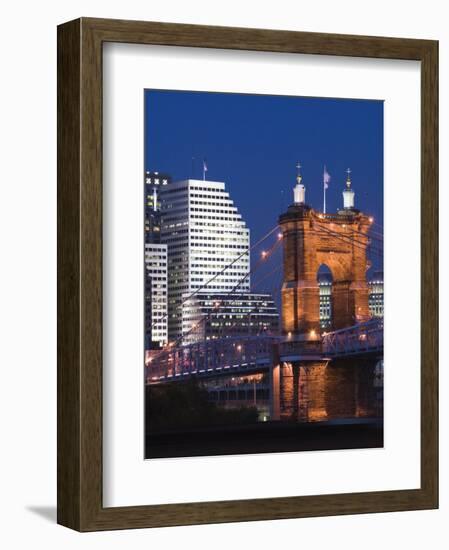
(80, 274)
(69, 409)
(429, 272)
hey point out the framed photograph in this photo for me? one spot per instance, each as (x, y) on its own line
(247, 274)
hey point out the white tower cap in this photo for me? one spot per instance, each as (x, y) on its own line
(299, 191)
(348, 193)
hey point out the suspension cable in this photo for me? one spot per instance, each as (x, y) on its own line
(206, 317)
(204, 285)
(348, 238)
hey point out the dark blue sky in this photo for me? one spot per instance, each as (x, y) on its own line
(253, 142)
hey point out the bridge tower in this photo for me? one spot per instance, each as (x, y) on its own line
(311, 239)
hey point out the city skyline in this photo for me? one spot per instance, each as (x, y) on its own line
(198, 206)
(271, 312)
(253, 143)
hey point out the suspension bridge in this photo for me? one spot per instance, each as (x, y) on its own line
(274, 363)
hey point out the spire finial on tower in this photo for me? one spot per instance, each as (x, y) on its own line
(348, 193)
(299, 189)
(348, 178)
(298, 172)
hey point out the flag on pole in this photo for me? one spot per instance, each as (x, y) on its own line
(326, 178)
(204, 166)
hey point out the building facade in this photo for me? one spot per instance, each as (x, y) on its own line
(156, 312)
(325, 285)
(376, 294)
(208, 316)
(154, 181)
(204, 234)
(156, 295)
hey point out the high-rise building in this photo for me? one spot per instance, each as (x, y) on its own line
(205, 234)
(154, 181)
(376, 294)
(156, 295)
(325, 285)
(207, 316)
(156, 313)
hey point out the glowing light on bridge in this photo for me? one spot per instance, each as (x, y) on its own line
(264, 254)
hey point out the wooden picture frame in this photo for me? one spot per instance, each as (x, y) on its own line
(80, 503)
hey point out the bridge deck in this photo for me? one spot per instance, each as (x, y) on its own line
(236, 355)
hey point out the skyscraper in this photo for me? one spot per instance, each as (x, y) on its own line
(204, 234)
(154, 181)
(156, 333)
(376, 294)
(325, 285)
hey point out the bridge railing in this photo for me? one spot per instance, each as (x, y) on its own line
(210, 357)
(361, 338)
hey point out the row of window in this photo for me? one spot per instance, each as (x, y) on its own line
(269, 317)
(206, 269)
(218, 224)
(213, 245)
(155, 260)
(198, 265)
(208, 208)
(212, 193)
(237, 217)
(152, 271)
(212, 199)
(216, 236)
(202, 188)
(217, 231)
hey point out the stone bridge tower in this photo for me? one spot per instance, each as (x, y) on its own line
(338, 241)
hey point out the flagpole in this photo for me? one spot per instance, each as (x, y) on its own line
(324, 190)
(326, 179)
(324, 198)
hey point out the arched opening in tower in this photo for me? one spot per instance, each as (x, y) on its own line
(325, 281)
